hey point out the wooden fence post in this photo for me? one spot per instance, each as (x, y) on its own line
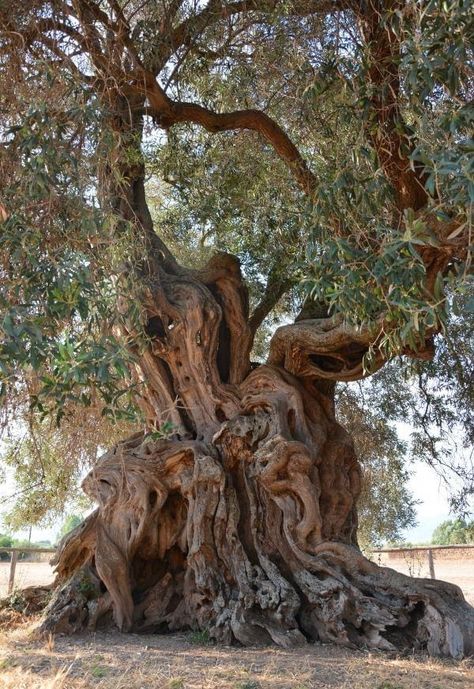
(11, 579)
(431, 563)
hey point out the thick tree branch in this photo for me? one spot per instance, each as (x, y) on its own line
(391, 139)
(167, 113)
(257, 121)
(323, 348)
(330, 349)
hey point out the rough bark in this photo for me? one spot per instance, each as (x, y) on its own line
(243, 522)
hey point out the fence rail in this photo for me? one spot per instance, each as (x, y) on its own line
(14, 559)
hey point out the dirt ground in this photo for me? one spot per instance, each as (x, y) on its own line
(115, 661)
(26, 574)
(187, 661)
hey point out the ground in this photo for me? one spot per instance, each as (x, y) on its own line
(187, 661)
(178, 661)
(26, 574)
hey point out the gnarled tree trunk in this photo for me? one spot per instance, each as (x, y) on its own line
(244, 521)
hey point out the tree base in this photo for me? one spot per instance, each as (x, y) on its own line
(363, 606)
(249, 536)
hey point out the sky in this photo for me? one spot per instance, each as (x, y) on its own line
(426, 487)
(433, 509)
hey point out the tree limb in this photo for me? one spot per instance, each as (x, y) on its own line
(167, 112)
(392, 141)
(324, 348)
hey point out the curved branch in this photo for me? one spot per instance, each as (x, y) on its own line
(324, 348)
(164, 110)
(330, 349)
(257, 121)
(167, 113)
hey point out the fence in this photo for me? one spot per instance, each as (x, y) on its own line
(427, 552)
(15, 552)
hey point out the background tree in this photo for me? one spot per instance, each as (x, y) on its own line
(236, 509)
(5, 542)
(385, 506)
(453, 532)
(70, 523)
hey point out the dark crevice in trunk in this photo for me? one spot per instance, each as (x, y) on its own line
(244, 525)
(155, 328)
(405, 636)
(224, 336)
(185, 417)
(183, 413)
(223, 352)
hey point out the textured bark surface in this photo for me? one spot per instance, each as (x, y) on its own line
(242, 522)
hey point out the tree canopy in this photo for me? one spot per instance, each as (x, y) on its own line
(70, 523)
(453, 532)
(267, 128)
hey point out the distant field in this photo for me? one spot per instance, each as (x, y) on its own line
(458, 571)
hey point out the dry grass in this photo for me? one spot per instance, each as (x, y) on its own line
(115, 661)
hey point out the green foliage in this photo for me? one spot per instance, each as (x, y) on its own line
(55, 295)
(370, 265)
(8, 541)
(165, 431)
(49, 461)
(15, 601)
(364, 284)
(99, 671)
(436, 399)
(453, 532)
(248, 684)
(87, 587)
(385, 506)
(70, 523)
(200, 637)
(176, 683)
(435, 64)
(5, 542)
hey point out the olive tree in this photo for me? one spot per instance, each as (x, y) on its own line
(317, 142)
